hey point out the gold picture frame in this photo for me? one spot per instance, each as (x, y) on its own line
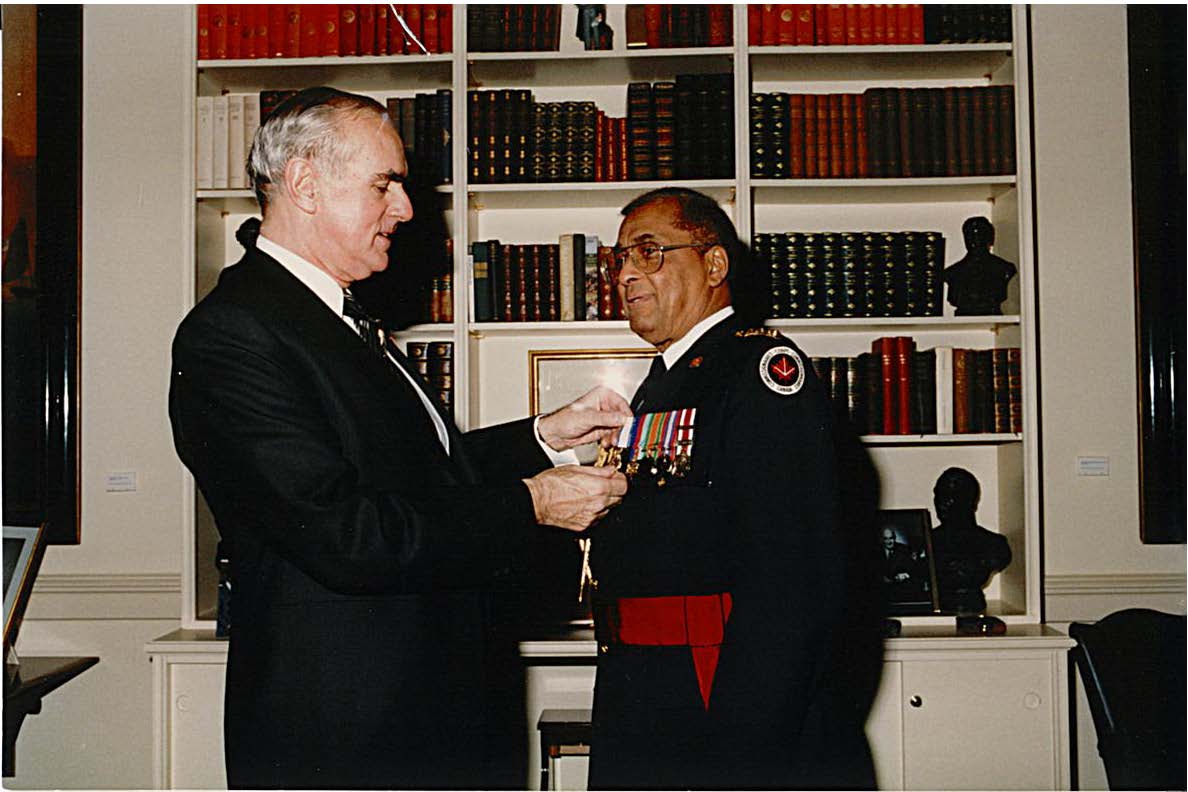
(558, 376)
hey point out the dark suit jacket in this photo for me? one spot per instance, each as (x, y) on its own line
(363, 651)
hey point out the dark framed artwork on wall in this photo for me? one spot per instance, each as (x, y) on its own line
(1155, 47)
(42, 164)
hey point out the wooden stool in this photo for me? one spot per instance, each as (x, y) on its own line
(563, 732)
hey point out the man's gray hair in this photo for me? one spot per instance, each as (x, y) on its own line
(305, 125)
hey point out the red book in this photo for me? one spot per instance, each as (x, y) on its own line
(884, 350)
(653, 23)
(263, 37)
(786, 30)
(412, 18)
(849, 149)
(381, 29)
(852, 23)
(903, 22)
(429, 30)
(891, 24)
(754, 24)
(622, 142)
(277, 16)
(606, 289)
(863, 152)
(248, 25)
(904, 346)
(810, 136)
(770, 25)
(820, 24)
(796, 136)
(916, 23)
(835, 24)
(330, 43)
(878, 24)
(445, 28)
(366, 14)
(600, 146)
(204, 31)
(234, 29)
(348, 29)
(218, 30)
(311, 31)
(719, 25)
(804, 23)
(291, 42)
(866, 23)
(396, 44)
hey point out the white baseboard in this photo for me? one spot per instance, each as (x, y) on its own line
(99, 597)
(1089, 597)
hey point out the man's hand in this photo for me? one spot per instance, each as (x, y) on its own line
(574, 497)
(597, 416)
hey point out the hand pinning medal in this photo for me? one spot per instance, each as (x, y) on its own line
(782, 370)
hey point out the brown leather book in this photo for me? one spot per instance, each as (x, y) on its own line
(810, 135)
(964, 132)
(1005, 97)
(920, 125)
(849, 150)
(1000, 389)
(805, 23)
(786, 32)
(835, 24)
(876, 158)
(903, 103)
(1015, 389)
(824, 139)
(720, 25)
(796, 136)
(979, 123)
(952, 163)
(861, 152)
(961, 411)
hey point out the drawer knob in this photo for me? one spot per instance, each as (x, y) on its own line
(916, 701)
(1031, 701)
(183, 703)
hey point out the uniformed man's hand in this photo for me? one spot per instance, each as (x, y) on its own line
(574, 497)
(595, 417)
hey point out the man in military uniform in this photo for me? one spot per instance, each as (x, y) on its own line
(719, 582)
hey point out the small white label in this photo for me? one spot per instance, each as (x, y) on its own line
(1093, 466)
(121, 481)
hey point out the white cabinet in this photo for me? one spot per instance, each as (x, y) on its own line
(189, 668)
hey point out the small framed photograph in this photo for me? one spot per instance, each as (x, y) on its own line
(558, 376)
(23, 547)
(908, 570)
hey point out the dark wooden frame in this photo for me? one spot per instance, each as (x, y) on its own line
(41, 324)
(1156, 62)
(915, 526)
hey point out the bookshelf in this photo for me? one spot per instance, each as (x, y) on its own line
(491, 358)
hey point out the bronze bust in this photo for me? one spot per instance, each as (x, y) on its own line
(966, 554)
(978, 282)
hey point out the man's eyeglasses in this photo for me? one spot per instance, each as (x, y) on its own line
(647, 257)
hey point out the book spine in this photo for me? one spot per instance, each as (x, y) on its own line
(943, 378)
(577, 275)
(565, 277)
(924, 417)
(824, 139)
(1005, 97)
(978, 124)
(221, 138)
(664, 110)
(720, 25)
(640, 130)
(593, 278)
(836, 143)
(482, 304)
(234, 33)
(884, 350)
(961, 403)
(204, 140)
(983, 391)
(236, 173)
(904, 347)
(367, 28)
(965, 145)
(893, 162)
(1000, 390)
(777, 135)
(1015, 389)
(606, 305)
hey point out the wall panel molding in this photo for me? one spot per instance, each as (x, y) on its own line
(102, 596)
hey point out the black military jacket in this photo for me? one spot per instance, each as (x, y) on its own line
(755, 517)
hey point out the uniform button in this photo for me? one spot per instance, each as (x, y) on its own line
(604, 648)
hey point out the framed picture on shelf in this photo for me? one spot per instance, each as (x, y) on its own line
(908, 570)
(558, 376)
(23, 548)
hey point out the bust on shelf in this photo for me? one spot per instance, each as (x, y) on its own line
(978, 282)
(966, 554)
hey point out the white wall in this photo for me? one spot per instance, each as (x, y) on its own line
(120, 587)
(1093, 558)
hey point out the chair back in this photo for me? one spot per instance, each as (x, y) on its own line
(1132, 664)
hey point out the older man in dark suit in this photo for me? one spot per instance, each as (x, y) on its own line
(367, 531)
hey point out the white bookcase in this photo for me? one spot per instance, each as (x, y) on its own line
(491, 359)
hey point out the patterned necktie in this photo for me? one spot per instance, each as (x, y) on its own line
(368, 327)
(655, 374)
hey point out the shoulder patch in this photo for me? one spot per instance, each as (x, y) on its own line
(767, 332)
(782, 370)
